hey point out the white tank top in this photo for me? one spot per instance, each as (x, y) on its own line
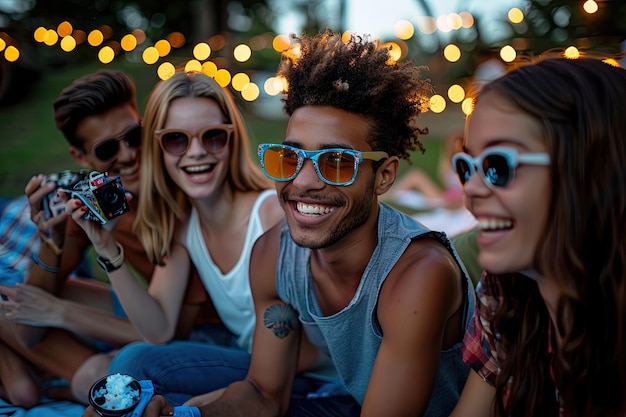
(230, 292)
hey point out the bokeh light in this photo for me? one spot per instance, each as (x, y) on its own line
(456, 93)
(240, 80)
(590, 6)
(222, 76)
(128, 42)
(166, 70)
(455, 21)
(202, 51)
(442, 23)
(250, 92)
(64, 29)
(468, 19)
(176, 39)
(51, 37)
(209, 68)
(452, 52)
(11, 54)
(273, 86)
(609, 61)
(395, 52)
(403, 29)
(281, 43)
(68, 43)
(242, 53)
(217, 42)
(163, 47)
(427, 25)
(467, 106)
(571, 52)
(515, 15)
(193, 65)
(139, 35)
(437, 103)
(80, 36)
(95, 38)
(150, 55)
(507, 53)
(40, 34)
(106, 54)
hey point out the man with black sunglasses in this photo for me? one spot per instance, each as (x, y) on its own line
(347, 276)
(98, 116)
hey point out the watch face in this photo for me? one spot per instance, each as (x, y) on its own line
(105, 264)
(110, 265)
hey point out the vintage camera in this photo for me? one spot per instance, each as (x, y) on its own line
(52, 205)
(104, 196)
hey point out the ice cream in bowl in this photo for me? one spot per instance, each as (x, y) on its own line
(115, 395)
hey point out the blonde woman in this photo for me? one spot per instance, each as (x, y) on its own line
(203, 202)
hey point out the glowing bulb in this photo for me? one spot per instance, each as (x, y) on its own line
(590, 6)
(571, 52)
(515, 15)
(507, 53)
(202, 51)
(452, 53)
(166, 70)
(437, 103)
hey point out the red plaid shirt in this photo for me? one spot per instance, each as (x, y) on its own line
(480, 345)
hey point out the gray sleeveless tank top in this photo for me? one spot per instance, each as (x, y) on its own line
(352, 336)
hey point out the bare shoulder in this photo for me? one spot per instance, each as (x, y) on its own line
(425, 275)
(264, 257)
(267, 244)
(271, 212)
(180, 234)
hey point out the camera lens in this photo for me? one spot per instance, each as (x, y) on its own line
(111, 198)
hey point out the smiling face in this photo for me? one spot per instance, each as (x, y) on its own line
(512, 219)
(321, 215)
(110, 124)
(197, 172)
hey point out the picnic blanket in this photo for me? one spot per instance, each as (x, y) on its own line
(47, 408)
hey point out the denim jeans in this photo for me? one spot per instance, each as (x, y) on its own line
(180, 370)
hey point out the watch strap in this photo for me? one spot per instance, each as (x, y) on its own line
(113, 264)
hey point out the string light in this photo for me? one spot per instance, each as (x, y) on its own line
(67, 37)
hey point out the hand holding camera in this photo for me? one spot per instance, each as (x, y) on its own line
(104, 197)
(46, 205)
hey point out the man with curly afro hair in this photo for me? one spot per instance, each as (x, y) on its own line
(347, 278)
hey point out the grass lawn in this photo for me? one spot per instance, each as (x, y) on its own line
(31, 144)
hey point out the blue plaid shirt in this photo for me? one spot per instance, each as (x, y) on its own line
(18, 239)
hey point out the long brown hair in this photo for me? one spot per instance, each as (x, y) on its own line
(581, 105)
(162, 205)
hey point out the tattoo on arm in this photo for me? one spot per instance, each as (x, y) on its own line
(281, 319)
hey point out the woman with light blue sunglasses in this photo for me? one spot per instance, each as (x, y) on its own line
(548, 142)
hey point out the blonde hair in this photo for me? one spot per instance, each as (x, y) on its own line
(162, 205)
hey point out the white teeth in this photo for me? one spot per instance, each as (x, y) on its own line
(198, 168)
(316, 210)
(126, 171)
(494, 224)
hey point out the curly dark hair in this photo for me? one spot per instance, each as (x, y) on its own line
(359, 76)
(91, 95)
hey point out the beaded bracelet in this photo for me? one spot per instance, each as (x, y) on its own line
(42, 265)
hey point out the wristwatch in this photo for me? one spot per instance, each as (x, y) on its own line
(110, 265)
